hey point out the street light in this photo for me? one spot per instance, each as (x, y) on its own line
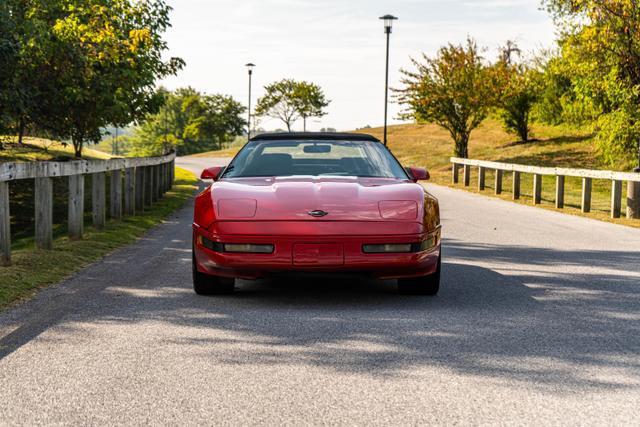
(388, 23)
(250, 67)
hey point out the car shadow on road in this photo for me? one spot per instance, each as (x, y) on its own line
(521, 324)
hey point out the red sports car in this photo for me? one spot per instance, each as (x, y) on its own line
(320, 203)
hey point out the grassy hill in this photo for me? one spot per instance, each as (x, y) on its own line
(430, 146)
(35, 149)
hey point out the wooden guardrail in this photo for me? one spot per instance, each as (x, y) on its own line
(587, 175)
(140, 181)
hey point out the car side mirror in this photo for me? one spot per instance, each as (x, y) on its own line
(212, 173)
(418, 174)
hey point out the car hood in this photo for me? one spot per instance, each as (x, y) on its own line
(342, 199)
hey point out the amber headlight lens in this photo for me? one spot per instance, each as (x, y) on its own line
(388, 248)
(248, 248)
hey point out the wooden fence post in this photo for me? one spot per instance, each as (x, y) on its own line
(516, 185)
(498, 183)
(98, 199)
(129, 191)
(559, 191)
(44, 213)
(5, 225)
(586, 194)
(616, 198)
(537, 189)
(154, 184)
(140, 187)
(167, 176)
(173, 172)
(149, 195)
(455, 174)
(158, 172)
(466, 175)
(76, 206)
(115, 205)
(633, 199)
(482, 173)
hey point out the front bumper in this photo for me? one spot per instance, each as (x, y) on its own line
(313, 251)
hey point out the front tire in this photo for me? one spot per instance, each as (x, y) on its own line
(205, 284)
(426, 285)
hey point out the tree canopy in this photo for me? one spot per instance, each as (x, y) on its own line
(600, 52)
(518, 88)
(189, 122)
(289, 100)
(454, 89)
(83, 65)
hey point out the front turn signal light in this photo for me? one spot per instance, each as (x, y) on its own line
(248, 248)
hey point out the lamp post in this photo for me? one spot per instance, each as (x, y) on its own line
(250, 69)
(388, 23)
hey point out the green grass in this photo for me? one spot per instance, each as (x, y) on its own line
(38, 149)
(33, 269)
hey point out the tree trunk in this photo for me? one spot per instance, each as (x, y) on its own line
(288, 126)
(523, 127)
(304, 123)
(21, 127)
(77, 146)
(462, 146)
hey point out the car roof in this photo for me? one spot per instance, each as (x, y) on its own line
(315, 136)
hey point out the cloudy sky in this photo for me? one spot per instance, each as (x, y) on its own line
(338, 44)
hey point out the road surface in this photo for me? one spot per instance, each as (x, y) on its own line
(538, 322)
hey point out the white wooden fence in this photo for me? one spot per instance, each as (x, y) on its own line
(139, 181)
(587, 175)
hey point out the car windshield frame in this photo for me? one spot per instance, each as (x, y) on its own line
(386, 166)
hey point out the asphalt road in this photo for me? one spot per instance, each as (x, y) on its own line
(538, 322)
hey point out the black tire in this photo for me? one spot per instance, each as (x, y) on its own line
(426, 285)
(205, 284)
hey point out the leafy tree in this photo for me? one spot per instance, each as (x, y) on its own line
(279, 102)
(8, 61)
(601, 51)
(518, 87)
(24, 69)
(113, 58)
(556, 91)
(454, 89)
(289, 100)
(518, 96)
(189, 122)
(310, 101)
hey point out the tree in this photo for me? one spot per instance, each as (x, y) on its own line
(310, 101)
(189, 122)
(518, 86)
(454, 89)
(113, 57)
(25, 71)
(289, 100)
(8, 61)
(601, 49)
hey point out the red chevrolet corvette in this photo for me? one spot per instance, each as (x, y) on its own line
(315, 202)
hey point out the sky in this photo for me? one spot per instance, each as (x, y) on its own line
(337, 44)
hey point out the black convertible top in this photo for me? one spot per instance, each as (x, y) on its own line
(327, 136)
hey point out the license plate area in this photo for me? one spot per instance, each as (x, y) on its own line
(318, 254)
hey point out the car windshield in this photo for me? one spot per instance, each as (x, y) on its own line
(265, 158)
